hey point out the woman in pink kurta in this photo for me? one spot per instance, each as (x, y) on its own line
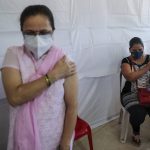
(40, 84)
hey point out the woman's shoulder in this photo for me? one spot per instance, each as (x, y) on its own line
(147, 59)
(64, 52)
(58, 51)
(125, 60)
(148, 56)
(11, 57)
(14, 49)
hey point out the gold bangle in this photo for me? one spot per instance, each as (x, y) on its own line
(48, 81)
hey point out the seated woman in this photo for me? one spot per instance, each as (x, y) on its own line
(41, 87)
(136, 70)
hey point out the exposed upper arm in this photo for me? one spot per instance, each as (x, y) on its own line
(126, 70)
(11, 80)
(71, 89)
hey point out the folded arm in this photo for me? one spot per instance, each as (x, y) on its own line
(132, 75)
(19, 93)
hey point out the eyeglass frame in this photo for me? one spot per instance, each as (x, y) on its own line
(35, 33)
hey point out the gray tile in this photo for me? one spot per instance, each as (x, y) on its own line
(106, 137)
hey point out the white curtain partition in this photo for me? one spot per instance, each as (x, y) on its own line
(95, 33)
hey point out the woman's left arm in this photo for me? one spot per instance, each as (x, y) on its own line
(70, 87)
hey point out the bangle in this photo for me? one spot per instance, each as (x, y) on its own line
(48, 81)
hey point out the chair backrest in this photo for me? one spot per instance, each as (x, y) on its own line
(122, 82)
(83, 128)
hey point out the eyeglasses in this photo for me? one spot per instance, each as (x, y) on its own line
(34, 33)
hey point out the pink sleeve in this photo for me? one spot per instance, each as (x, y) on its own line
(11, 59)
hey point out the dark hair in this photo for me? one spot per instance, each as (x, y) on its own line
(34, 10)
(135, 40)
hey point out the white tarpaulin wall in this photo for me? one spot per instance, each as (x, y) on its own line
(95, 33)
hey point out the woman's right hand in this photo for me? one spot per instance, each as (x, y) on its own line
(62, 69)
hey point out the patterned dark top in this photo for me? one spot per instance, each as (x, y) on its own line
(129, 92)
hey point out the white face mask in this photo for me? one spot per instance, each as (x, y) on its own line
(38, 44)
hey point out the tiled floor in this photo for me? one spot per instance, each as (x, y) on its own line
(106, 137)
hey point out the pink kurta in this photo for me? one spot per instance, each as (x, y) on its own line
(38, 124)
